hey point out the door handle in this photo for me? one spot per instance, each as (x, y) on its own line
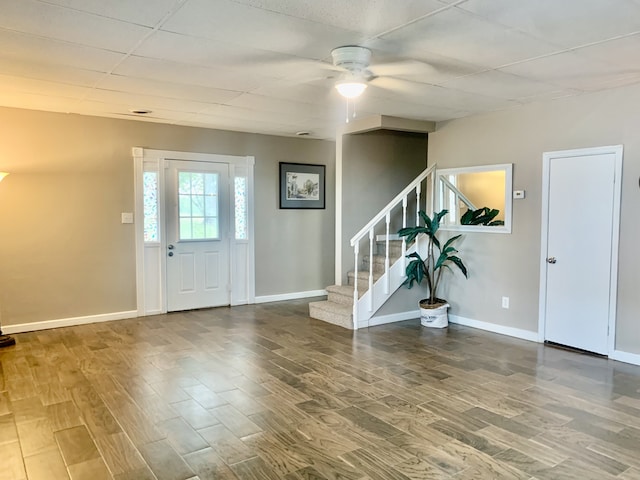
(551, 260)
(170, 247)
(170, 254)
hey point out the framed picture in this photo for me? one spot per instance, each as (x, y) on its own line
(302, 185)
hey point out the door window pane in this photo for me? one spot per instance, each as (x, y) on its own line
(198, 205)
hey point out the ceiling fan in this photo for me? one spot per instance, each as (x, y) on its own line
(354, 60)
(355, 63)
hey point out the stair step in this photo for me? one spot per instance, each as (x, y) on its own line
(343, 294)
(378, 263)
(332, 312)
(395, 248)
(363, 278)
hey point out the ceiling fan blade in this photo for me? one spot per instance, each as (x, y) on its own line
(397, 85)
(402, 68)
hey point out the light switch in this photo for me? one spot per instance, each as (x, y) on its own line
(127, 217)
(518, 194)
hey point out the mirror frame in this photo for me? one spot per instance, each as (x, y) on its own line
(508, 194)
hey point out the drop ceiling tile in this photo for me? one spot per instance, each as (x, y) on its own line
(219, 54)
(225, 20)
(567, 23)
(45, 51)
(243, 124)
(37, 101)
(54, 73)
(150, 102)
(42, 87)
(196, 50)
(185, 74)
(279, 107)
(52, 21)
(240, 113)
(502, 85)
(622, 52)
(432, 95)
(467, 38)
(155, 87)
(304, 93)
(369, 17)
(393, 59)
(569, 70)
(121, 110)
(141, 12)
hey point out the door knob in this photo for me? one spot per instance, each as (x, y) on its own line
(170, 254)
(551, 260)
(170, 247)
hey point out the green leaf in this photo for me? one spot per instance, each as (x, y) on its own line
(458, 262)
(411, 232)
(480, 216)
(450, 241)
(441, 261)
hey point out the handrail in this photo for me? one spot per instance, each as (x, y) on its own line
(458, 193)
(397, 200)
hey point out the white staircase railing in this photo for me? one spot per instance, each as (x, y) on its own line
(379, 291)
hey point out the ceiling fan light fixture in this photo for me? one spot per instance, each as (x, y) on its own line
(351, 88)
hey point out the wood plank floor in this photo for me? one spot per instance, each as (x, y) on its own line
(264, 392)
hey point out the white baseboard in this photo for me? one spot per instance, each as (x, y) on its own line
(626, 357)
(290, 296)
(68, 322)
(492, 327)
(390, 318)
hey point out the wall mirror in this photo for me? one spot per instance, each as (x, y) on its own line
(478, 198)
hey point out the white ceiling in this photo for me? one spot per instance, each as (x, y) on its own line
(265, 66)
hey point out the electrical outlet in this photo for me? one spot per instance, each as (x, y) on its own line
(505, 302)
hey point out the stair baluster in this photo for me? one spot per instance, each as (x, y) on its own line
(356, 250)
(386, 255)
(404, 239)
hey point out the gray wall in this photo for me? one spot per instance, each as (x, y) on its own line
(64, 251)
(508, 265)
(376, 166)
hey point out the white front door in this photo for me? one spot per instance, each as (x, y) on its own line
(197, 231)
(578, 259)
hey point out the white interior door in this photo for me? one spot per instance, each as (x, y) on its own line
(577, 264)
(197, 232)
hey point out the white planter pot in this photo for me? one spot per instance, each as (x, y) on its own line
(434, 317)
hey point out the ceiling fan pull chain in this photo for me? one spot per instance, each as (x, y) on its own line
(347, 119)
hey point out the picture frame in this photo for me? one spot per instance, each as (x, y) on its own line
(302, 186)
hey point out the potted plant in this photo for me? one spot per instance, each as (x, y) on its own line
(438, 258)
(481, 216)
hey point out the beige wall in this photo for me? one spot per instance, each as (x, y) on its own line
(64, 252)
(508, 265)
(376, 166)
